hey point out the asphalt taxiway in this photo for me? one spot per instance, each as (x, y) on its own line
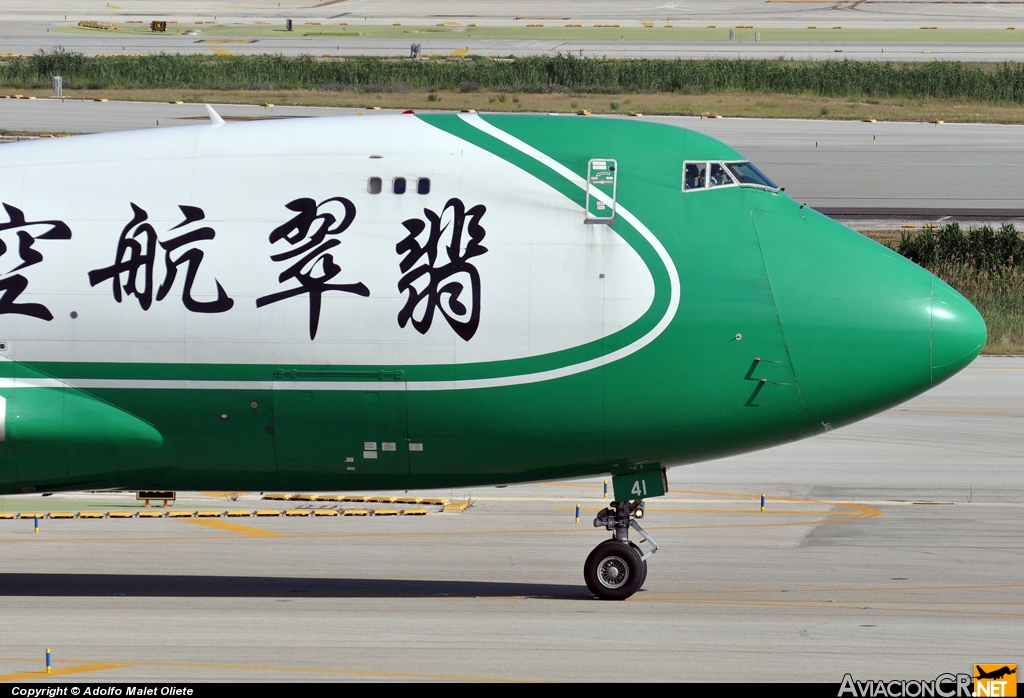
(595, 28)
(888, 549)
(464, 44)
(775, 13)
(866, 171)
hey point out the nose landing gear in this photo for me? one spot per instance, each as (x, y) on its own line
(617, 568)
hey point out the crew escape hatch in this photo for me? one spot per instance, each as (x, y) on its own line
(602, 175)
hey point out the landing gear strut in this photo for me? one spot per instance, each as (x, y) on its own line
(617, 568)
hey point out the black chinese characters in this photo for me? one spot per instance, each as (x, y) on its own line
(133, 267)
(313, 266)
(436, 269)
(151, 259)
(13, 284)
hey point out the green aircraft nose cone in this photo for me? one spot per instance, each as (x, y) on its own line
(958, 332)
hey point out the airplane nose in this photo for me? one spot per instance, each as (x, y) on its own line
(958, 332)
(866, 329)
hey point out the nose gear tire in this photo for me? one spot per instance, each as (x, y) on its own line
(614, 570)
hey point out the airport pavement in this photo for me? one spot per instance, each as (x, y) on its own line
(27, 27)
(875, 170)
(35, 39)
(888, 549)
(776, 13)
(884, 165)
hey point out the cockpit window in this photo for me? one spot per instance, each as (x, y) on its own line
(719, 177)
(700, 175)
(746, 173)
(694, 175)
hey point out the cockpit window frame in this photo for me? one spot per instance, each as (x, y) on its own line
(733, 180)
(708, 164)
(771, 187)
(703, 175)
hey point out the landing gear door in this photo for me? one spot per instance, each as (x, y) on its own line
(602, 175)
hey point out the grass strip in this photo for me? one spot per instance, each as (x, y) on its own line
(534, 74)
(984, 264)
(998, 295)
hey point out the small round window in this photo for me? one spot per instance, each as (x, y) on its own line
(398, 185)
(422, 185)
(374, 185)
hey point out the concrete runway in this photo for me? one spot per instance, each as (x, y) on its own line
(31, 39)
(889, 549)
(775, 13)
(971, 171)
(28, 26)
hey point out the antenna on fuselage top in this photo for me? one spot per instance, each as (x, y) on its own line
(214, 116)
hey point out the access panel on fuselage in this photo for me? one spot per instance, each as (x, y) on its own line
(341, 435)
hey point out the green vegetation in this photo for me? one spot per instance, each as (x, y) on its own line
(987, 267)
(981, 248)
(999, 297)
(537, 74)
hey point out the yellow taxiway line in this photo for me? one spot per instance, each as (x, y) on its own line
(229, 527)
(853, 512)
(66, 671)
(83, 668)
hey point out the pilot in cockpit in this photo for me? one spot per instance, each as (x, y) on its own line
(695, 175)
(718, 176)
